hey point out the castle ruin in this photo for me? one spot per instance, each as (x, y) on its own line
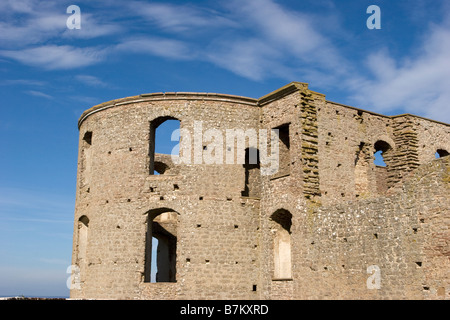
(327, 224)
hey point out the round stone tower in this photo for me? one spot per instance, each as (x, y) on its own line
(204, 214)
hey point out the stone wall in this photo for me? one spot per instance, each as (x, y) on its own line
(405, 235)
(328, 205)
(217, 232)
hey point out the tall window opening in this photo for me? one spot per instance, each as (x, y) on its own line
(284, 149)
(164, 142)
(281, 230)
(161, 246)
(252, 173)
(86, 158)
(83, 232)
(383, 157)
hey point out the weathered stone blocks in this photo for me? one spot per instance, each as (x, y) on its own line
(217, 223)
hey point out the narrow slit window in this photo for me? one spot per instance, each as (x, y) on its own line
(86, 158)
(284, 149)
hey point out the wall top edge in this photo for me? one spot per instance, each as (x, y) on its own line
(205, 96)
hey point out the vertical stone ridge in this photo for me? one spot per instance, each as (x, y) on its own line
(310, 145)
(406, 157)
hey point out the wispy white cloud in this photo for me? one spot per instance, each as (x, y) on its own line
(277, 42)
(93, 26)
(255, 39)
(22, 82)
(24, 23)
(20, 6)
(249, 58)
(39, 94)
(181, 18)
(162, 47)
(287, 30)
(91, 80)
(56, 57)
(418, 84)
(288, 44)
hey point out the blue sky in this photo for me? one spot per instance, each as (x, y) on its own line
(50, 75)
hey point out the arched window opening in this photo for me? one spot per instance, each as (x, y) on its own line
(382, 148)
(163, 141)
(281, 230)
(440, 153)
(161, 246)
(252, 173)
(83, 233)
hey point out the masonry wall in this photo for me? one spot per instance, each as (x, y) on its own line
(337, 210)
(405, 235)
(431, 137)
(217, 228)
(346, 141)
(282, 190)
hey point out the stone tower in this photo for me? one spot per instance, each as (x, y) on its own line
(270, 198)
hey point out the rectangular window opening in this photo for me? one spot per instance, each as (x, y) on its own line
(284, 149)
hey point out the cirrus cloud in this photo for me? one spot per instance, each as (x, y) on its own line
(258, 40)
(56, 57)
(416, 84)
